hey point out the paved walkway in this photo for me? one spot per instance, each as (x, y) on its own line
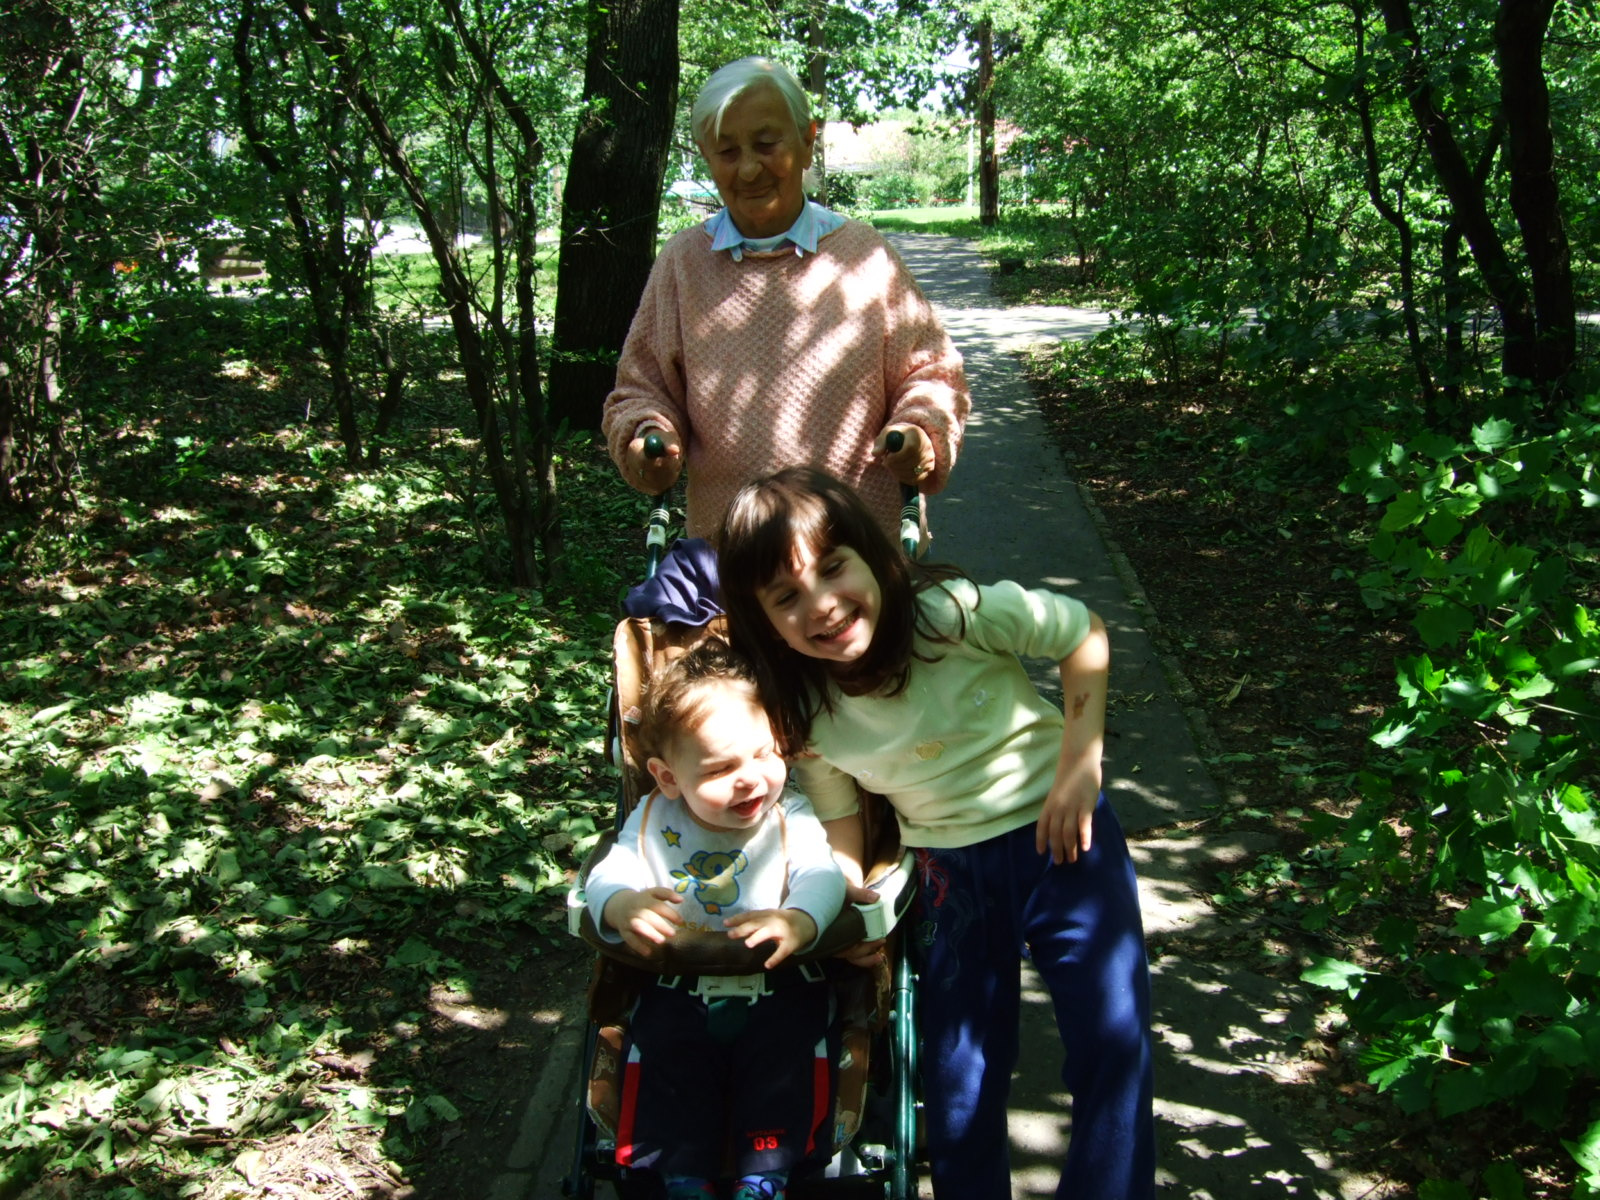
(1226, 1036)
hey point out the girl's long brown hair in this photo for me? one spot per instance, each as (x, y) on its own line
(802, 506)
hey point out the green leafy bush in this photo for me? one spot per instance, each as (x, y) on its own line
(274, 766)
(890, 189)
(1480, 836)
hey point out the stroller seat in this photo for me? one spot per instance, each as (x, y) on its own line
(874, 1006)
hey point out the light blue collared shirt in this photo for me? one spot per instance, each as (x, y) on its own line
(813, 223)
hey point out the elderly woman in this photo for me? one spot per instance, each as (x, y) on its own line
(779, 333)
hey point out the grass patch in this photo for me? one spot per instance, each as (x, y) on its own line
(957, 220)
(271, 754)
(410, 282)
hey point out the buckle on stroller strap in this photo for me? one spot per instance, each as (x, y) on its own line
(730, 987)
(744, 987)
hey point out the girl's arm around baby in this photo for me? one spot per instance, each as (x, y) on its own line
(1066, 823)
(848, 838)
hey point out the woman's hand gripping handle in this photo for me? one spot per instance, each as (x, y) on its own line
(654, 448)
(902, 463)
(653, 461)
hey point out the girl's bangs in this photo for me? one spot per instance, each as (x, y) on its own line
(764, 545)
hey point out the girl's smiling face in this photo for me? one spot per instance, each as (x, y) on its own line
(824, 605)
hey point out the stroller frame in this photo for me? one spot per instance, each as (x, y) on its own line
(877, 1155)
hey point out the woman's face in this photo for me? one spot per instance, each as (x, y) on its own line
(758, 161)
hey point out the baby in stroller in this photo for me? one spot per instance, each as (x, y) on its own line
(867, 1132)
(721, 1075)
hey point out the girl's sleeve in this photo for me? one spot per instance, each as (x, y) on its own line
(650, 386)
(831, 792)
(924, 373)
(816, 885)
(1033, 622)
(622, 869)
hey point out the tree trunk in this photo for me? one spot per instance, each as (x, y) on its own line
(817, 85)
(988, 163)
(1519, 35)
(50, 177)
(508, 481)
(1454, 291)
(325, 258)
(1500, 275)
(522, 354)
(1392, 214)
(613, 197)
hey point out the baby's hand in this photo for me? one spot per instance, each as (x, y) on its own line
(788, 927)
(645, 919)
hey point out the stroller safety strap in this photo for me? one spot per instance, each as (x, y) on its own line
(730, 998)
(748, 988)
(730, 987)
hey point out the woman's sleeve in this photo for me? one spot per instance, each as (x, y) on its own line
(924, 374)
(650, 377)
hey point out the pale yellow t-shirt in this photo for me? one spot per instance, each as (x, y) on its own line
(969, 749)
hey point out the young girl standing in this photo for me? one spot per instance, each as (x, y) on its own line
(905, 680)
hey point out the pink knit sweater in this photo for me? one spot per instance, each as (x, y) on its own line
(785, 359)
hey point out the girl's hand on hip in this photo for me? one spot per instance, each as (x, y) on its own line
(653, 475)
(913, 462)
(1066, 824)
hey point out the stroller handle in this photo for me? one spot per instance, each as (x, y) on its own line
(655, 537)
(910, 501)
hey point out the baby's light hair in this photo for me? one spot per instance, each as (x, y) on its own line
(729, 82)
(678, 699)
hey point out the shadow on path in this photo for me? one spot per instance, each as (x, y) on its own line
(1227, 1037)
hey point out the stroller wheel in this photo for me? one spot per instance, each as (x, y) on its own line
(579, 1183)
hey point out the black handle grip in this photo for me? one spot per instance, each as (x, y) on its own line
(910, 504)
(654, 445)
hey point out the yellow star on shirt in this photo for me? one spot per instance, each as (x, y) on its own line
(674, 838)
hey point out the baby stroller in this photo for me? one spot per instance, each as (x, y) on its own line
(872, 1148)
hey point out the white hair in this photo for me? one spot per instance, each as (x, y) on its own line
(730, 82)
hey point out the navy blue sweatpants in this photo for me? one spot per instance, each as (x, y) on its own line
(754, 1092)
(981, 908)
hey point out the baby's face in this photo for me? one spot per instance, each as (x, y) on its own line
(727, 769)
